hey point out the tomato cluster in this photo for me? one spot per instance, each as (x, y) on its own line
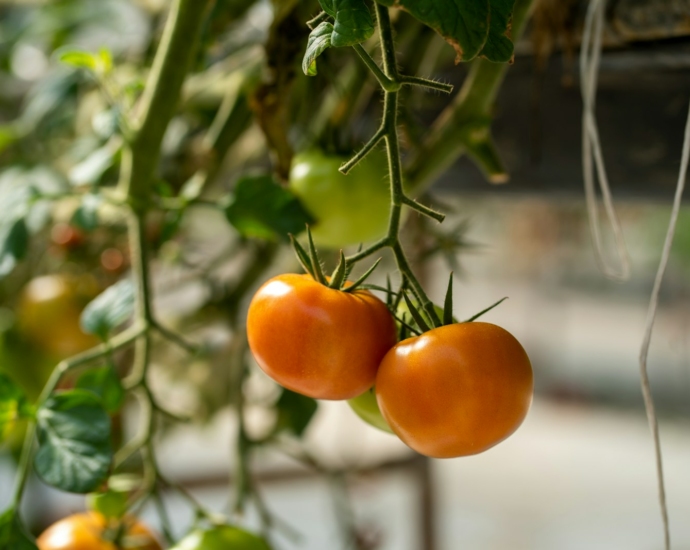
(455, 390)
(89, 531)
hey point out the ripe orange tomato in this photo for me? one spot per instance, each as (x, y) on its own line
(317, 341)
(48, 314)
(85, 531)
(456, 390)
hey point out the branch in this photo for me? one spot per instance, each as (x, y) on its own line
(161, 95)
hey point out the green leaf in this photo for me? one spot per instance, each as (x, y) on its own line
(13, 535)
(353, 21)
(329, 7)
(105, 383)
(105, 60)
(14, 243)
(262, 208)
(476, 27)
(90, 170)
(79, 59)
(8, 135)
(110, 309)
(86, 216)
(295, 411)
(13, 405)
(100, 63)
(499, 47)
(74, 451)
(319, 41)
(171, 224)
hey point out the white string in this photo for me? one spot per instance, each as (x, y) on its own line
(651, 315)
(590, 56)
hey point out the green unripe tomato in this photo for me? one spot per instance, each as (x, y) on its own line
(110, 504)
(366, 407)
(222, 537)
(348, 209)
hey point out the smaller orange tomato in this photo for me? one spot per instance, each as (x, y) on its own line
(456, 390)
(318, 341)
(85, 532)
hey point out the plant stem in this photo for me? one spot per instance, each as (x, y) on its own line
(173, 60)
(391, 82)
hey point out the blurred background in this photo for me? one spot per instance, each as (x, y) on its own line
(578, 474)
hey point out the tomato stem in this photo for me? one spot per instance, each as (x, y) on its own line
(391, 81)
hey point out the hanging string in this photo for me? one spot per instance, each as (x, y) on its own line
(651, 315)
(590, 56)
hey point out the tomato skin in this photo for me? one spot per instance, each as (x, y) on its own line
(84, 531)
(456, 390)
(349, 209)
(224, 537)
(317, 341)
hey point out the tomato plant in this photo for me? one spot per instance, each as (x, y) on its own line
(349, 209)
(456, 390)
(114, 177)
(318, 341)
(89, 531)
(221, 538)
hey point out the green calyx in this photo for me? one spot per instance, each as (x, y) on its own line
(414, 320)
(311, 263)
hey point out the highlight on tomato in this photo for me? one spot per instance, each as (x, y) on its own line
(321, 342)
(349, 209)
(456, 390)
(89, 531)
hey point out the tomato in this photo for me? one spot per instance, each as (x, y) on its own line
(348, 209)
(85, 531)
(366, 407)
(48, 314)
(222, 537)
(318, 341)
(456, 390)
